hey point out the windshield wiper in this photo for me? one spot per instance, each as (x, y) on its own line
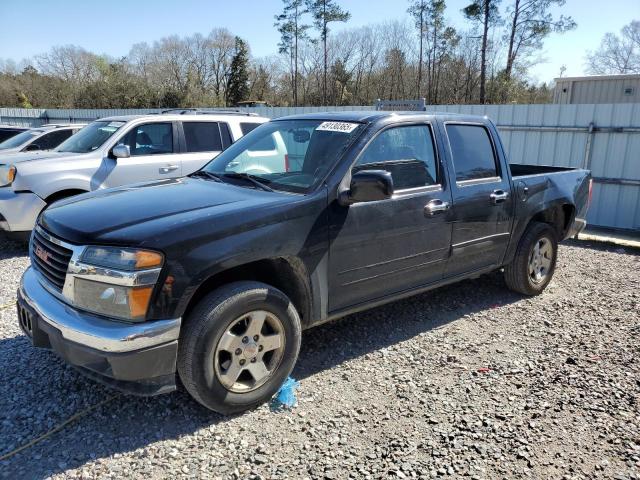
(207, 175)
(250, 178)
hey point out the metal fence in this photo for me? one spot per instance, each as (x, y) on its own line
(604, 138)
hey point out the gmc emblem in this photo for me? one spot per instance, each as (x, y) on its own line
(42, 254)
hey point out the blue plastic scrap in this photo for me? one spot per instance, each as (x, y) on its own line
(286, 396)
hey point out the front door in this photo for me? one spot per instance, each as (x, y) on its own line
(152, 147)
(389, 246)
(481, 198)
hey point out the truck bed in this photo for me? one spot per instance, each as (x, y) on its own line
(521, 170)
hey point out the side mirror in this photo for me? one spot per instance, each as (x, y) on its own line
(368, 186)
(121, 151)
(32, 147)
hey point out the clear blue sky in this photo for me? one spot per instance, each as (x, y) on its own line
(31, 27)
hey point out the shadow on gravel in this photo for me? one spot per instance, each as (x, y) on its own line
(37, 391)
(602, 246)
(12, 248)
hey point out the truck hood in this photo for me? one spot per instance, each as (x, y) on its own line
(141, 213)
(7, 157)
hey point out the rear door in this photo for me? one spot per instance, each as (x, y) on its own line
(153, 149)
(202, 141)
(482, 200)
(389, 246)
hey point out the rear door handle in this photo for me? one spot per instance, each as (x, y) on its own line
(498, 196)
(168, 168)
(435, 207)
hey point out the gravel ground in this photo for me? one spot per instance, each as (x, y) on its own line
(468, 380)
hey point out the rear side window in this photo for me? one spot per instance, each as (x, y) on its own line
(248, 127)
(202, 136)
(267, 144)
(473, 156)
(408, 153)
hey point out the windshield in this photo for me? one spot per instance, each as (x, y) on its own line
(289, 155)
(19, 139)
(90, 137)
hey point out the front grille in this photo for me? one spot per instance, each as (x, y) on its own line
(50, 259)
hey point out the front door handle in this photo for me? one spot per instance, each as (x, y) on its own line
(168, 168)
(498, 196)
(435, 207)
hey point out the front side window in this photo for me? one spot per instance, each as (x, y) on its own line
(472, 152)
(52, 139)
(202, 136)
(149, 139)
(299, 154)
(90, 137)
(408, 153)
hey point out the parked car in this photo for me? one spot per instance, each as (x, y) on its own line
(46, 137)
(111, 152)
(212, 277)
(8, 131)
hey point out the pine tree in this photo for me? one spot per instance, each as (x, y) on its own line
(484, 12)
(292, 30)
(238, 84)
(323, 13)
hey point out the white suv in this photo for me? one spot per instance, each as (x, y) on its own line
(111, 152)
(45, 137)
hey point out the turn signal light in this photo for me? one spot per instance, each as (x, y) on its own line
(147, 259)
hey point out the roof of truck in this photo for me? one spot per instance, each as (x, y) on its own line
(368, 116)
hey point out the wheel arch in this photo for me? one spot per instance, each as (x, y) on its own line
(287, 274)
(559, 216)
(70, 192)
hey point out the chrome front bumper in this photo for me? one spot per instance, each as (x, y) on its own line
(135, 358)
(19, 211)
(94, 331)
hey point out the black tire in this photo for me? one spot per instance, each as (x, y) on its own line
(205, 326)
(517, 273)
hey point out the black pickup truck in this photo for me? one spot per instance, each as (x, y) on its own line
(211, 278)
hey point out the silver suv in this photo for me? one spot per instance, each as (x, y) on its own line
(111, 152)
(46, 137)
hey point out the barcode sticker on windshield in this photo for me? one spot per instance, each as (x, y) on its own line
(343, 127)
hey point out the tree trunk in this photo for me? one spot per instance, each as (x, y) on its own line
(324, 43)
(512, 37)
(420, 56)
(295, 67)
(483, 52)
(434, 86)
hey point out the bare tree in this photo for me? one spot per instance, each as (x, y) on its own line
(617, 54)
(531, 23)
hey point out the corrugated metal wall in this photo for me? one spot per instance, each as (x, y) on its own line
(603, 137)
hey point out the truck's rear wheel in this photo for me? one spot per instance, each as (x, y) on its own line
(535, 261)
(238, 346)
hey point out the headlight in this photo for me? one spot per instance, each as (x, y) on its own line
(116, 282)
(7, 175)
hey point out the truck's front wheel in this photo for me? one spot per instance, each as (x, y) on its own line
(238, 346)
(535, 261)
